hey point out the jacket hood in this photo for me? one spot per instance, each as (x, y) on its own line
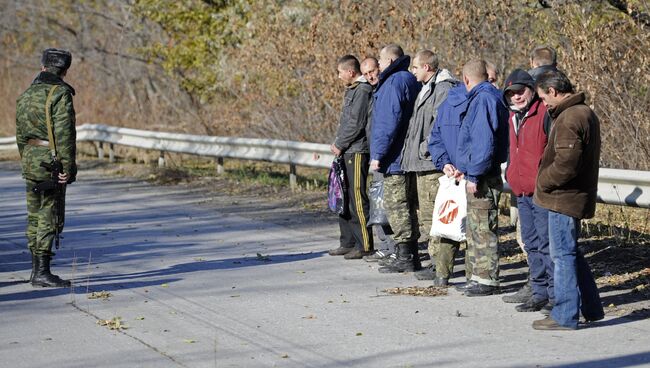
(51, 78)
(445, 75)
(515, 80)
(484, 86)
(457, 95)
(399, 65)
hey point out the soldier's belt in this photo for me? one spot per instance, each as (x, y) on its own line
(38, 142)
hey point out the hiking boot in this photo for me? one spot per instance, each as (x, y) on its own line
(356, 254)
(441, 282)
(532, 305)
(340, 251)
(377, 256)
(521, 296)
(482, 290)
(467, 285)
(428, 273)
(549, 324)
(43, 277)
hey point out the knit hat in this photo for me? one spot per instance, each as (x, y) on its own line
(56, 58)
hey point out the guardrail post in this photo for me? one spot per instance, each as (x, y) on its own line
(293, 180)
(100, 151)
(161, 159)
(111, 153)
(219, 165)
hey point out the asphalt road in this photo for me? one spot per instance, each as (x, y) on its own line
(201, 283)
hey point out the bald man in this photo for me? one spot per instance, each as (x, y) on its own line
(482, 147)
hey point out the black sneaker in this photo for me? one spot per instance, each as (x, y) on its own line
(378, 255)
(521, 296)
(532, 305)
(467, 285)
(482, 290)
(387, 261)
(547, 308)
(428, 273)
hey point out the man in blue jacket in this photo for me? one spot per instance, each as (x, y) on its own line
(443, 144)
(394, 98)
(482, 147)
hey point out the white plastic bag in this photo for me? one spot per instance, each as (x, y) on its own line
(450, 209)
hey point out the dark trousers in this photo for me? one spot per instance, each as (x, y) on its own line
(355, 231)
(534, 233)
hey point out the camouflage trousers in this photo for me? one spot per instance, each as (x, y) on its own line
(40, 221)
(442, 250)
(482, 224)
(401, 203)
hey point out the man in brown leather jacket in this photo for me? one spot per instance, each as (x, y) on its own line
(567, 184)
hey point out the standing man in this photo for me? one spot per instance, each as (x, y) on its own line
(45, 132)
(527, 142)
(482, 148)
(567, 183)
(542, 59)
(370, 70)
(394, 98)
(351, 142)
(416, 159)
(443, 146)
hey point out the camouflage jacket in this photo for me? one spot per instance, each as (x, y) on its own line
(31, 124)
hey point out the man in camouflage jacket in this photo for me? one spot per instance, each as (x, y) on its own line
(34, 147)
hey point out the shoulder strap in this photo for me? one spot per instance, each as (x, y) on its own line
(547, 123)
(48, 121)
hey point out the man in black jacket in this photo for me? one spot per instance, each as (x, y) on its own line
(351, 142)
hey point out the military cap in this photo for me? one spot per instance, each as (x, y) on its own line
(56, 58)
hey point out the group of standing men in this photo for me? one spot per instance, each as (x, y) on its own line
(413, 127)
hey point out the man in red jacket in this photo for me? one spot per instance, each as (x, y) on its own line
(528, 137)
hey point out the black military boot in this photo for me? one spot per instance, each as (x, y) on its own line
(34, 267)
(405, 262)
(43, 277)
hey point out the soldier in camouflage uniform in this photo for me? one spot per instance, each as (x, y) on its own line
(47, 92)
(482, 147)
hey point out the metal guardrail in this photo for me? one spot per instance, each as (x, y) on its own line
(621, 187)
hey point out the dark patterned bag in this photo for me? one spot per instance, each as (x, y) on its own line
(336, 188)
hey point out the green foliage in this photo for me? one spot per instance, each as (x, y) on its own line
(197, 31)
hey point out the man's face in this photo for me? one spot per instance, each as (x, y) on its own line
(519, 98)
(371, 72)
(346, 75)
(384, 61)
(551, 98)
(492, 77)
(420, 71)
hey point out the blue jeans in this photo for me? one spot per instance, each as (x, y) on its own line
(575, 288)
(534, 233)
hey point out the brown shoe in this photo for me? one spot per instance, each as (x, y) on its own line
(356, 254)
(340, 251)
(549, 324)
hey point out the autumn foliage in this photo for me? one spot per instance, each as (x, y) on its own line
(267, 68)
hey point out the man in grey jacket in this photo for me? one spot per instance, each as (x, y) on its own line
(351, 142)
(415, 154)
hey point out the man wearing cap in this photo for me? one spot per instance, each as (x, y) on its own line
(528, 137)
(45, 129)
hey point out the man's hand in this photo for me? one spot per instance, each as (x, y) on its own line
(449, 170)
(63, 178)
(374, 165)
(335, 150)
(472, 187)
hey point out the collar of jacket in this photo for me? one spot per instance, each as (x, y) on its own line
(51, 78)
(399, 65)
(357, 82)
(574, 99)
